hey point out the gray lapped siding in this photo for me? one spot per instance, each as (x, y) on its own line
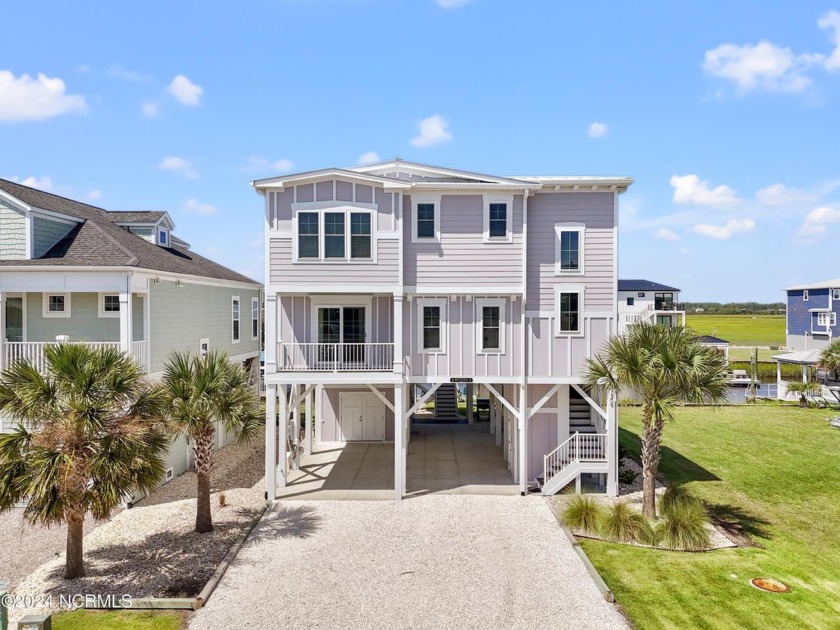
(84, 323)
(47, 233)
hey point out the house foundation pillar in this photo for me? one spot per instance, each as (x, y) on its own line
(271, 442)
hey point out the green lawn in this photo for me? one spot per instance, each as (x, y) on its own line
(744, 354)
(118, 620)
(740, 330)
(774, 469)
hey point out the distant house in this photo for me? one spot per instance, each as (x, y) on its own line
(812, 314)
(711, 341)
(699, 309)
(643, 301)
(78, 273)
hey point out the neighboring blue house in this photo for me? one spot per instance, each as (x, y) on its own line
(812, 314)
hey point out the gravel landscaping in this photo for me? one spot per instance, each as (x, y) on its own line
(150, 550)
(433, 561)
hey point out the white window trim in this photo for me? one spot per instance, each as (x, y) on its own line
(580, 289)
(415, 201)
(805, 295)
(835, 294)
(506, 199)
(202, 342)
(45, 302)
(235, 298)
(255, 301)
(480, 303)
(569, 227)
(828, 319)
(165, 231)
(320, 208)
(102, 311)
(443, 303)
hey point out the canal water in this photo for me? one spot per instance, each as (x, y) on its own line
(738, 395)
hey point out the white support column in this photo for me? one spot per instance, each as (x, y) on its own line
(470, 403)
(399, 442)
(283, 436)
(491, 412)
(500, 430)
(523, 439)
(319, 420)
(296, 391)
(399, 367)
(271, 336)
(307, 418)
(125, 321)
(612, 445)
(3, 330)
(270, 442)
(147, 334)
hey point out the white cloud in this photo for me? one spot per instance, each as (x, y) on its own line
(178, 165)
(690, 189)
(597, 130)
(25, 98)
(256, 164)
(433, 130)
(725, 231)
(368, 158)
(452, 4)
(194, 206)
(831, 20)
(151, 110)
(816, 221)
(666, 235)
(41, 183)
(95, 194)
(781, 195)
(185, 91)
(130, 75)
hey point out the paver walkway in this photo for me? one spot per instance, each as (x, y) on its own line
(434, 561)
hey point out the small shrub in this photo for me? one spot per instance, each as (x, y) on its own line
(623, 452)
(583, 513)
(622, 524)
(222, 499)
(627, 476)
(683, 527)
(676, 495)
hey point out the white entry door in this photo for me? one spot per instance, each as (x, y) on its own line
(361, 417)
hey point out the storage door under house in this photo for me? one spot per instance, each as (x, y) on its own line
(361, 417)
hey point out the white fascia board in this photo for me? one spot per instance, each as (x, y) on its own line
(14, 201)
(149, 273)
(427, 169)
(54, 216)
(826, 284)
(329, 173)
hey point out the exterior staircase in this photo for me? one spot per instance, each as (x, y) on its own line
(584, 452)
(446, 404)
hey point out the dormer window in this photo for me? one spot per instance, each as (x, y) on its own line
(163, 237)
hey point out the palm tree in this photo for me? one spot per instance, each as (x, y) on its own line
(830, 358)
(804, 389)
(88, 435)
(201, 391)
(663, 365)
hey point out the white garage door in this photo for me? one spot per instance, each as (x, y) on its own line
(361, 417)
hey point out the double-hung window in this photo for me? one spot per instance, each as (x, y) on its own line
(425, 224)
(332, 234)
(432, 331)
(826, 319)
(56, 305)
(255, 318)
(569, 309)
(490, 328)
(234, 318)
(497, 218)
(631, 301)
(568, 248)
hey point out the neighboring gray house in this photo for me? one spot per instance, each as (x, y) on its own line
(384, 276)
(649, 302)
(68, 269)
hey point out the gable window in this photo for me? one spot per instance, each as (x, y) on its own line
(255, 318)
(497, 218)
(640, 294)
(432, 329)
(490, 322)
(56, 305)
(109, 305)
(425, 225)
(630, 301)
(308, 246)
(360, 235)
(234, 318)
(333, 235)
(568, 248)
(805, 295)
(163, 237)
(569, 307)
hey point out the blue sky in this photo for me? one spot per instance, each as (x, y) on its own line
(727, 114)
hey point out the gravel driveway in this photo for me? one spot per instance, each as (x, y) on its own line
(428, 562)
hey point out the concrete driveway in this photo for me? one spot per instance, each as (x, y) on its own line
(434, 561)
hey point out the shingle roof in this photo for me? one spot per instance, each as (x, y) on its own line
(99, 241)
(643, 285)
(135, 216)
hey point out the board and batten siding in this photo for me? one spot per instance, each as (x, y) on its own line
(84, 323)
(462, 257)
(563, 356)
(297, 321)
(596, 211)
(12, 234)
(182, 316)
(46, 233)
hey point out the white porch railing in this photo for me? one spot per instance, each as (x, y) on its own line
(643, 315)
(335, 357)
(33, 351)
(581, 447)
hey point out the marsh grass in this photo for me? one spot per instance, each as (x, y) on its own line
(584, 513)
